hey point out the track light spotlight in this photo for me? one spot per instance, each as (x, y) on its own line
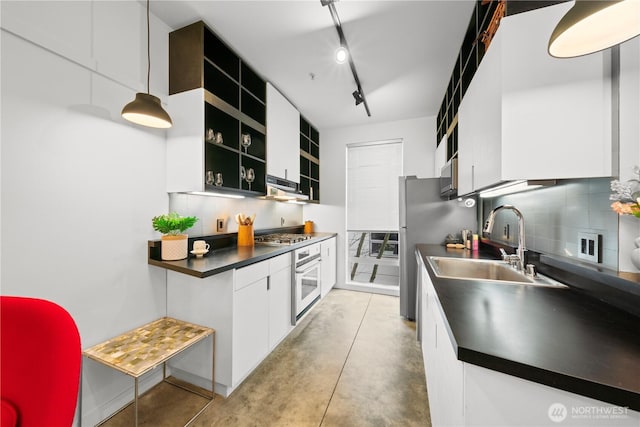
(341, 55)
(358, 97)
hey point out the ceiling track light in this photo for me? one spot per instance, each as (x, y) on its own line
(341, 55)
(146, 109)
(358, 97)
(359, 93)
(594, 25)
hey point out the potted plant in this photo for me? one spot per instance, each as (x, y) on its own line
(174, 241)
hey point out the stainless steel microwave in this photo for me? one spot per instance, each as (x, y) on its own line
(449, 179)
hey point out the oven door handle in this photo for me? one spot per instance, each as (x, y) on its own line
(308, 267)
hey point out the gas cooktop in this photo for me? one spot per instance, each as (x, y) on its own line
(278, 239)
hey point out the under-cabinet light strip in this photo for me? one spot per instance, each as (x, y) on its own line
(214, 194)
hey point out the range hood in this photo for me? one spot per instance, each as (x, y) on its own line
(284, 190)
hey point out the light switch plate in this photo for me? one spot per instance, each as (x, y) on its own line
(590, 246)
(219, 224)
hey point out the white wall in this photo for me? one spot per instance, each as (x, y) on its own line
(79, 184)
(629, 142)
(269, 213)
(418, 159)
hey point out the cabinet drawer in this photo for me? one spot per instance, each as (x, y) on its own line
(278, 263)
(249, 274)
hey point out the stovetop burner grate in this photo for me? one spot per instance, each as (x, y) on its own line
(282, 238)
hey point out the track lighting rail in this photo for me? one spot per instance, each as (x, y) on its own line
(359, 93)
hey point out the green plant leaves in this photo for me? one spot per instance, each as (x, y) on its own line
(172, 223)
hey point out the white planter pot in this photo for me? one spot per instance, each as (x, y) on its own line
(174, 247)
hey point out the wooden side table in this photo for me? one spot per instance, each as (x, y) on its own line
(141, 350)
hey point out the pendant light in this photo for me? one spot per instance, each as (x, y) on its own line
(593, 25)
(146, 109)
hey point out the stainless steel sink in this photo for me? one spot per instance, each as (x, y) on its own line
(475, 269)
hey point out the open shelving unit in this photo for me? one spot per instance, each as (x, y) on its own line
(473, 48)
(235, 105)
(309, 160)
(483, 24)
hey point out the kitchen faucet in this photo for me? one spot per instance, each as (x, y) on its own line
(488, 226)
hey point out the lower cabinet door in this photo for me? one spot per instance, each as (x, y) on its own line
(328, 278)
(250, 328)
(444, 372)
(279, 306)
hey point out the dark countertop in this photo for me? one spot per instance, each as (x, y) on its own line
(559, 337)
(230, 257)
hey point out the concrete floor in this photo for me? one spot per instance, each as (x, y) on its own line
(352, 361)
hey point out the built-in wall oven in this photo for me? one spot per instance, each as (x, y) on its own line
(306, 279)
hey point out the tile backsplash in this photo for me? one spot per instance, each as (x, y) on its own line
(555, 215)
(269, 213)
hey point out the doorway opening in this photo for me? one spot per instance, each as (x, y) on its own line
(372, 175)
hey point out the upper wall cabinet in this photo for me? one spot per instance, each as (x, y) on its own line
(283, 128)
(218, 105)
(309, 160)
(485, 17)
(527, 115)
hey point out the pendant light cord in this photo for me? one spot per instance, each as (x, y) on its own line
(148, 49)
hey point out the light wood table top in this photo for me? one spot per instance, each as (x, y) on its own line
(139, 351)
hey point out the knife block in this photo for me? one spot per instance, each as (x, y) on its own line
(245, 235)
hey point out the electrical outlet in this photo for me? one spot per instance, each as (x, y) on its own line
(220, 224)
(590, 246)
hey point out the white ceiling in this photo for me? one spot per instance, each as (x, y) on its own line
(403, 51)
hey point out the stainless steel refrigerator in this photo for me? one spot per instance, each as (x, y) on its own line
(424, 218)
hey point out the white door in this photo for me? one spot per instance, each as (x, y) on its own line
(372, 216)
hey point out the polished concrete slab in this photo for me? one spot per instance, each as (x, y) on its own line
(352, 361)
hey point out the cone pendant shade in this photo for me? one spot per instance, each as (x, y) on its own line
(146, 110)
(593, 25)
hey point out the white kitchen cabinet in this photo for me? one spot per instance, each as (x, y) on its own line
(250, 309)
(262, 312)
(479, 126)
(444, 372)
(464, 394)
(328, 269)
(440, 157)
(283, 133)
(527, 115)
(279, 299)
(250, 327)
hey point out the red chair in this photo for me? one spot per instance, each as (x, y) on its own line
(40, 359)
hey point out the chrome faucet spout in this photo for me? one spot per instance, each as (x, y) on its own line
(488, 227)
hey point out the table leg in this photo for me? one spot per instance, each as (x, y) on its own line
(213, 367)
(135, 402)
